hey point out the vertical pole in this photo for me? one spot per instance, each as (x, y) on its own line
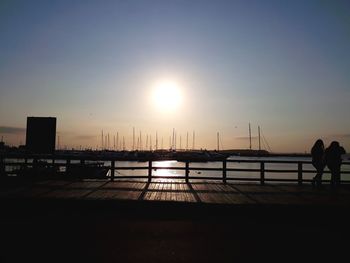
(67, 164)
(149, 171)
(250, 137)
(187, 142)
(133, 138)
(140, 146)
(300, 173)
(173, 142)
(187, 171)
(2, 166)
(112, 170)
(117, 141)
(259, 138)
(262, 173)
(193, 140)
(156, 141)
(53, 163)
(102, 146)
(217, 138)
(224, 165)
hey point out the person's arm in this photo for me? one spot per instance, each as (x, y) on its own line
(344, 155)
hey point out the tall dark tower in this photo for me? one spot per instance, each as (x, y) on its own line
(41, 135)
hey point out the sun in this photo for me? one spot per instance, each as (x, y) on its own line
(167, 96)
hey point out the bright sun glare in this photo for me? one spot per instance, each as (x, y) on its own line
(167, 96)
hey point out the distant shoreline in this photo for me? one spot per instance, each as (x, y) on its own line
(157, 155)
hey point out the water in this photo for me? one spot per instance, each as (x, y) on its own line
(230, 174)
(218, 174)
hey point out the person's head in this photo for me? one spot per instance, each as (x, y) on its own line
(334, 145)
(319, 144)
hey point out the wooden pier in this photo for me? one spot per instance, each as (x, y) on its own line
(172, 221)
(171, 190)
(183, 219)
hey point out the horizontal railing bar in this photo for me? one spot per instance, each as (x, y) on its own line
(101, 158)
(276, 161)
(268, 161)
(242, 170)
(204, 169)
(131, 168)
(171, 168)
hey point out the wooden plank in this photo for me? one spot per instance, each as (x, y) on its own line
(54, 183)
(178, 191)
(85, 184)
(158, 189)
(239, 199)
(254, 188)
(67, 193)
(286, 199)
(185, 194)
(102, 194)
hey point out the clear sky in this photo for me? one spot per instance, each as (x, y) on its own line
(283, 65)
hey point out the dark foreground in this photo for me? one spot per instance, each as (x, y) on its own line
(109, 230)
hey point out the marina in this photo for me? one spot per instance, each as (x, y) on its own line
(260, 170)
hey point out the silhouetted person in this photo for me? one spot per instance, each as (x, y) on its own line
(318, 161)
(333, 160)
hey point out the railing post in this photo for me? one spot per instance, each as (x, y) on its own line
(82, 161)
(149, 171)
(2, 167)
(187, 171)
(224, 164)
(112, 170)
(262, 173)
(67, 164)
(300, 173)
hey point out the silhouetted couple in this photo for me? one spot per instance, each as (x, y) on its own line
(330, 157)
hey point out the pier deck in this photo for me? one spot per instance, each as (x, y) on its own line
(172, 221)
(200, 192)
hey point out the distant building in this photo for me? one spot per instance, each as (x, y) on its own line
(41, 134)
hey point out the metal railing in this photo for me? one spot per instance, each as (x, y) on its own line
(66, 161)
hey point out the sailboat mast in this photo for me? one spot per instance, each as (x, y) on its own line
(187, 142)
(259, 137)
(133, 138)
(250, 137)
(102, 141)
(217, 137)
(193, 139)
(140, 141)
(117, 141)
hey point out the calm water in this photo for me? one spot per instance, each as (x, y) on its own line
(193, 173)
(218, 174)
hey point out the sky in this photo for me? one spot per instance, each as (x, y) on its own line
(95, 65)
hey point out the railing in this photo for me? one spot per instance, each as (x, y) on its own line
(59, 161)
